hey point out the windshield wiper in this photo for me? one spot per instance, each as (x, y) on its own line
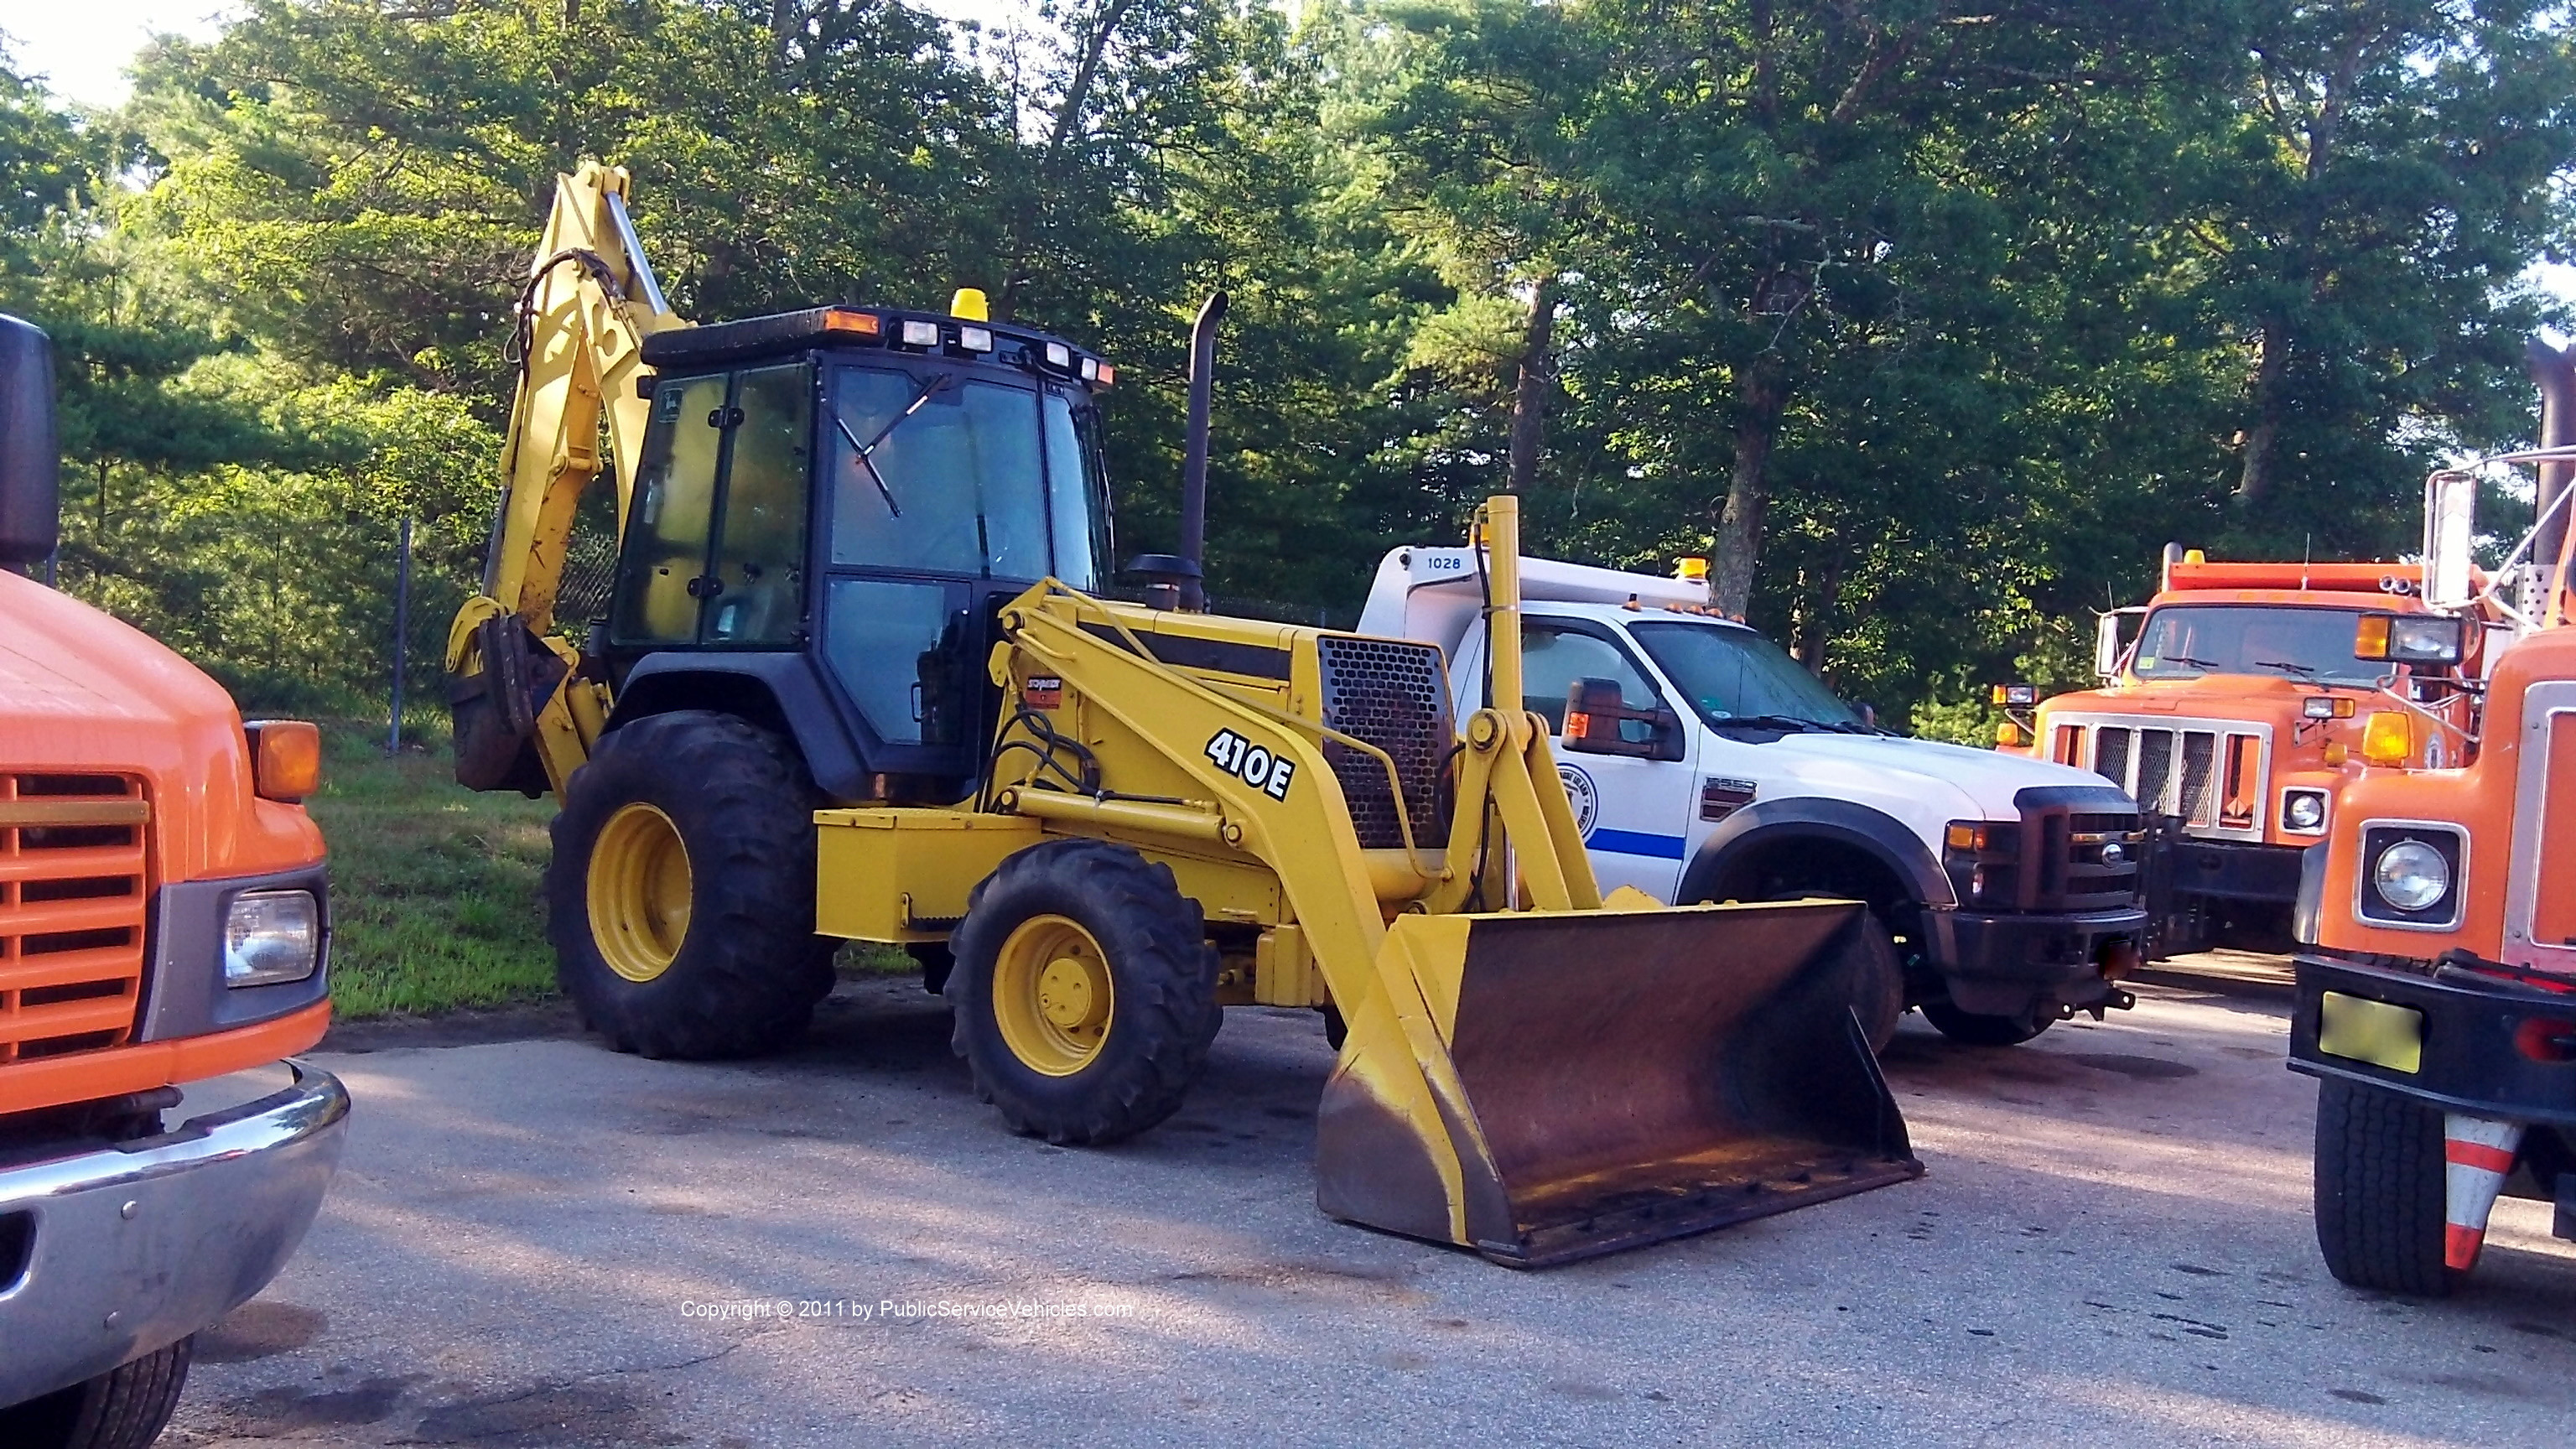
(2304, 671)
(862, 450)
(2187, 662)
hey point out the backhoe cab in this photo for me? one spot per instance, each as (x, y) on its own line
(853, 682)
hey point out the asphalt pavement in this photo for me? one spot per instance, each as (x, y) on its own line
(540, 1242)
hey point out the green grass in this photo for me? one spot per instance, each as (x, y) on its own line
(434, 888)
(435, 898)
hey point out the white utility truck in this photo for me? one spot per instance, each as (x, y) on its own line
(1705, 764)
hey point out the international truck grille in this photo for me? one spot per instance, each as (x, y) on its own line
(1393, 696)
(2211, 779)
(74, 881)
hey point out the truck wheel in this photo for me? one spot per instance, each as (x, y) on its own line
(1873, 979)
(1085, 992)
(2379, 1181)
(1974, 1028)
(680, 900)
(123, 1408)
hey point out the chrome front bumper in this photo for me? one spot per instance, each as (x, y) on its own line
(129, 1248)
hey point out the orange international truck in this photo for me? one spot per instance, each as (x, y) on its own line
(2233, 715)
(2436, 997)
(163, 923)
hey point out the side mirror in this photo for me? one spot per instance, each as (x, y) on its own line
(1598, 721)
(1868, 713)
(30, 468)
(2106, 646)
(2450, 532)
(2411, 638)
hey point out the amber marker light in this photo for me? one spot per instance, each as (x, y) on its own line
(285, 758)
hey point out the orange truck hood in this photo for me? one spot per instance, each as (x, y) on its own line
(81, 693)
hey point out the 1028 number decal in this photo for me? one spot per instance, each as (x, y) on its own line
(1251, 764)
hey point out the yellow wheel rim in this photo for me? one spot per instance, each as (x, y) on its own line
(639, 892)
(1052, 995)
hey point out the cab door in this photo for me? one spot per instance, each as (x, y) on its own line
(1634, 812)
(715, 550)
(2540, 921)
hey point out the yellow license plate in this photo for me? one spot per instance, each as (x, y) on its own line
(2359, 1029)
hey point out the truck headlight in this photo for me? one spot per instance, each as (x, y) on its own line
(271, 936)
(2304, 811)
(2411, 876)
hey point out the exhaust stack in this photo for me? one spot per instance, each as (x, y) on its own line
(2554, 373)
(1194, 459)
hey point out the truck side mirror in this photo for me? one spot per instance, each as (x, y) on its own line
(2106, 646)
(1598, 721)
(30, 468)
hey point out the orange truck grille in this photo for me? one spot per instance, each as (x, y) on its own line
(74, 882)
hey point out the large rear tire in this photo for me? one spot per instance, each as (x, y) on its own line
(1976, 1028)
(2379, 1191)
(124, 1408)
(680, 900)
(1085, 992)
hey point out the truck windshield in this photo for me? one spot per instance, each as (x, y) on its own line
(1734, 674)
(944, 474)
(2191, 640)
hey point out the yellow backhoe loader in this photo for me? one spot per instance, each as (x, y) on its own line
(854, 681)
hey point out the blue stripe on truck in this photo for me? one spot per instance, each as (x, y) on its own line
(1636, 842)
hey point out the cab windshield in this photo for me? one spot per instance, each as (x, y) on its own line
(1734, 676)
(944, 473)
(2191, 640)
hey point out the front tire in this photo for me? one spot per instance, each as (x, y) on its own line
(1980, 1029)
(2379, 1191)
(680, 900)
(124, 1408)
(1085, 992)
(1872, 980)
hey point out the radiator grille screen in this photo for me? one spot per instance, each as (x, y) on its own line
(1395, 696)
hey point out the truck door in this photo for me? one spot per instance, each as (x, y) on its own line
(2540, 912)
(1633, 812)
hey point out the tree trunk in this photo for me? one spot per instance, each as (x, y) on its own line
(1529, 398)
(2272, 363)
(786, 23)
(1759, 394)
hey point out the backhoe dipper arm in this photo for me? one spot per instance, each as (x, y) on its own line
(589, 302)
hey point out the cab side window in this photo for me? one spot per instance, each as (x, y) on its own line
(1553, 658)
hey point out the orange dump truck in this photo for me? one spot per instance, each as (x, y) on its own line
(163, 922)
(2437, 987)
(2233, 716)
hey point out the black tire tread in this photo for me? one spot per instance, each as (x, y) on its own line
(2379, 1191)
(125, 1408)
(751, 970)
(1168, 1014)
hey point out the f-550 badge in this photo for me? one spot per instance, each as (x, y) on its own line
(1251, 764)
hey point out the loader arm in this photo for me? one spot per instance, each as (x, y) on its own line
(1539, 1083)
(589, 301)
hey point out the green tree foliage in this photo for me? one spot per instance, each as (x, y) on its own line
(1930, 320)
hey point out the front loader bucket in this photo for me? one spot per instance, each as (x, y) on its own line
(1552, 1085)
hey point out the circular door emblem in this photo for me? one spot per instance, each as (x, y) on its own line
(1578, 791)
